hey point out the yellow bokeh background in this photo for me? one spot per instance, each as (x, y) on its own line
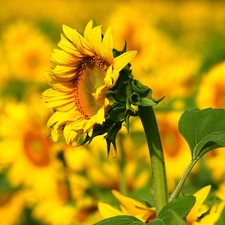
(181, 55)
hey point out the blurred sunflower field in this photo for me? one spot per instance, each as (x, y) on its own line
(180, 55)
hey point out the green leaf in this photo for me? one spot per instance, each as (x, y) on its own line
(174, 212)
(169, 218)
(203, 130)
(121, 220)
(181, 205)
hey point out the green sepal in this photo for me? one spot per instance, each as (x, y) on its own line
(139, 88)
(142, 95)
(111, 136)
(116, 53)
(117, 112)
(98, 130)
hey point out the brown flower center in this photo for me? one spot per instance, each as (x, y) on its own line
(36, 148)
(91, 76)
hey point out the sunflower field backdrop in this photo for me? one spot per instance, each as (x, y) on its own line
(180, 55)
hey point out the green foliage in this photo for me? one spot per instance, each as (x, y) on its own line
(169, 218)
(203, 130)
(175, 211)
(181, 205)
(121, 220)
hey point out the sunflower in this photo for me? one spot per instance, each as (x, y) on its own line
(85, 69)
(28, 150)
(26, 59)
(211, 91)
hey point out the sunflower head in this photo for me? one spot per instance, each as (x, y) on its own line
(92, 87)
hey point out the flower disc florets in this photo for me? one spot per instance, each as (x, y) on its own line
(86, 68)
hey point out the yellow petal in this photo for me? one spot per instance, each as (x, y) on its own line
(96, 39)
(108, 78)
(53, 119)
(121, 61)
(63, 70)
(51, 95)
(65, 73)
(108, 211)
(81, 44)
(87, 30)
(62, 58)
(61, 117)
(209, 219)
(129, 205)
(200, 198)
(89, 123)
(107, 46)
(68, 47)
(144, 217)
(58, 103)
(69, 134)
(55, 133)
(78, 125)
(69, 32)
(101, 115)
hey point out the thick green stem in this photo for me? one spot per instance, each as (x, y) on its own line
(179, 186)
(150, 126)
(122, 163)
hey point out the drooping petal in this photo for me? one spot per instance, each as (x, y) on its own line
(101, 115)
(70, 134)
(89, 123)
(55, 133)
(60, 118)
(108, 78)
